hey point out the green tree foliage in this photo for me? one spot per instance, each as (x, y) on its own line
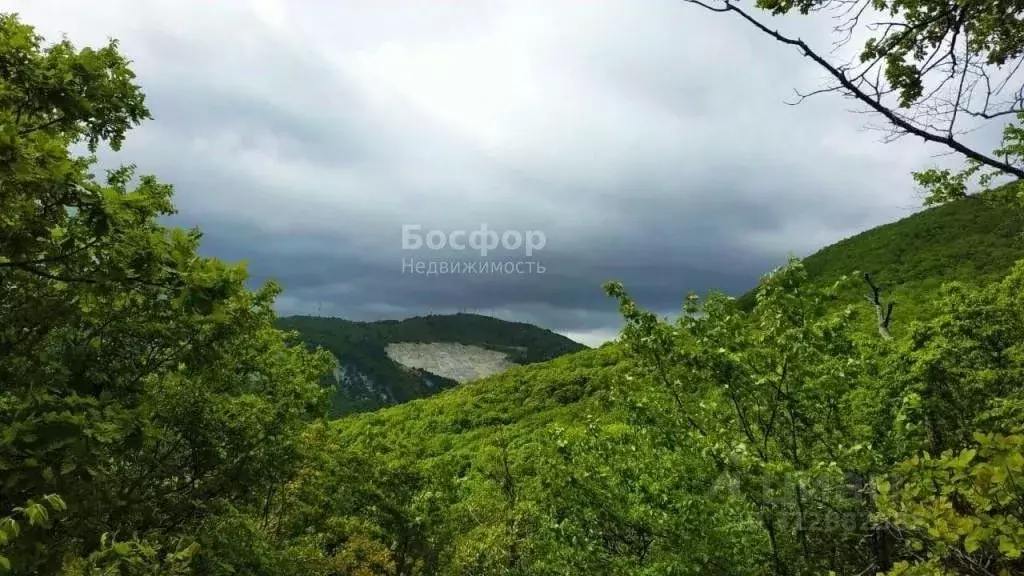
(768, 397)
(142, 383)
(727, 441)
(800, 410)
(154, 420)
(960, 513)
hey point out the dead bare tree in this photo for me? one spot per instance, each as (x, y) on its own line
(882, 311)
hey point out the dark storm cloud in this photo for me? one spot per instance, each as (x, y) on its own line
(649, 143)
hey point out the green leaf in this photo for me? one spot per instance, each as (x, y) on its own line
(972, 542)
(1008, 547)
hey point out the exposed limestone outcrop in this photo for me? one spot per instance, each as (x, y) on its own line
(458, 362)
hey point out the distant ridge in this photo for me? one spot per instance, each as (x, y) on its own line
(369, 377)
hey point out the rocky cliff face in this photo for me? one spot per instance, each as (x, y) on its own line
(458, 362)
(353, 379)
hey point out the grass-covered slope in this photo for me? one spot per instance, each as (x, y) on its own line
(974, 240)
(369, 379)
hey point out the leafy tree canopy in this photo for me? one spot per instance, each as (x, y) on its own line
(153, 420)
(147, 398)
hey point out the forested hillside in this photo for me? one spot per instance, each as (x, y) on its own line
(368, 378)
(620, 447)
(975, 241)
(155, 421)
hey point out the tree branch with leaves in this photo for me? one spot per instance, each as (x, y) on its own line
(932, 69)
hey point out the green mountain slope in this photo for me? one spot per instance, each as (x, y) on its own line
(546, 430)
(368, 378)
(975, 240)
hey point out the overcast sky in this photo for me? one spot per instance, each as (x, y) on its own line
(648, 141)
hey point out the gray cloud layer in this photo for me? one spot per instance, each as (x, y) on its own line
(648, 141)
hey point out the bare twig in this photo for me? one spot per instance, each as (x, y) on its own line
(924, 124)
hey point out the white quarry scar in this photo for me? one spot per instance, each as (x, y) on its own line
(458, 362)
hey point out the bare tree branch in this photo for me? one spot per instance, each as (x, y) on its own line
(933, 122)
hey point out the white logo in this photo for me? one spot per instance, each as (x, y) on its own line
(484, 239)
